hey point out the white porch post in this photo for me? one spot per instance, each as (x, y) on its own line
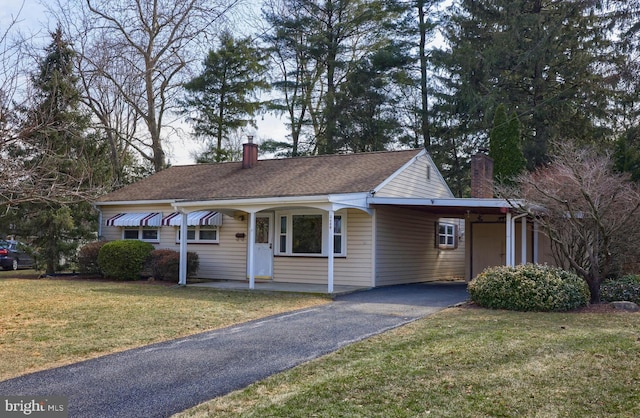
(523, 250)
(330, 249)
(508, 246)
(250, 250)
(182, 274)
(535, 242)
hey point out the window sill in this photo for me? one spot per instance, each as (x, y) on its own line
(309, 255)
(200, 242)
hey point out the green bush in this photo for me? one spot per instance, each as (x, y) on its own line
(88, 257)
(624, 288)
(165, 264)
(529, 287)
(124, 259)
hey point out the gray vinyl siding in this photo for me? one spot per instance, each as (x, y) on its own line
(406, 251)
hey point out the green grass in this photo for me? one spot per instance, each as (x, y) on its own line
(463, 363)
(51, 322)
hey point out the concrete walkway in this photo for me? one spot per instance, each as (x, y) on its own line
(162, 379)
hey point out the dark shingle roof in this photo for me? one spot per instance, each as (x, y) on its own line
(302, 176)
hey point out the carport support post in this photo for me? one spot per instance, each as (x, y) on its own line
(508, 246)
(182, 275)
(523, 249)
(330, 248)
(535, 242)
(250, 252)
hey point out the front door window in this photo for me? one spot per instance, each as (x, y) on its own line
(262, 230)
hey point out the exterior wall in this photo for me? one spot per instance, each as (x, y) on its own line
(486, 240)
(354, 270)
(420, 179)
(225, 260)
(406, 250)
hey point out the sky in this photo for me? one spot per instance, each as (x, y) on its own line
(33, 19)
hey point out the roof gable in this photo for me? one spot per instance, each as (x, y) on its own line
(301, 176)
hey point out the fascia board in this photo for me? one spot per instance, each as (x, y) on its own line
(135, 202)
(454, 202)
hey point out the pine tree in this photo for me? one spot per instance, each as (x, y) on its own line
(549, 60)
(319, 43)
(626, 155)
(367, 107)
(223, 98)
(59, 156)
(505, 146)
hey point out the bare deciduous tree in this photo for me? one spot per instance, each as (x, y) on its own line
(589, 212)
(141, 51)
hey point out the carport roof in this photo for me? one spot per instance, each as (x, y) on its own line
(455, 206)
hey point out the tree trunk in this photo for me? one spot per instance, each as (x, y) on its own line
(594, 290)
(424, 111)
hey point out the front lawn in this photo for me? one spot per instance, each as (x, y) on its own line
(51, 322)
(463, 363)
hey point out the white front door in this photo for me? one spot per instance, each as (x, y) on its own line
(263, 247)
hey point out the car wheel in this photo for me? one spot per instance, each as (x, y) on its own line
(14, 266)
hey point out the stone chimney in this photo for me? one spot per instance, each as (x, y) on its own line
(249, 153)
(482, 175)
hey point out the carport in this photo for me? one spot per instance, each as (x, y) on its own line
(517, 233)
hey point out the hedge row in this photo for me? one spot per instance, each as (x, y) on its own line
(133, 259)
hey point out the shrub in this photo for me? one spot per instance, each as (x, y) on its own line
(124, 259)
(165, 264)
(529, 287)
(624, 288)
(88, 257)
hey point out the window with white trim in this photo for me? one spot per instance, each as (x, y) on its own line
(446, 236)
(200, 234)
(304, 233)
(141, 233)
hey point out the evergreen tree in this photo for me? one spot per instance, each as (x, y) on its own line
(223, 98)
(367, 108)
(505, 146)
(626, 156)
(59, 155)
(550, 60)
(319, 44)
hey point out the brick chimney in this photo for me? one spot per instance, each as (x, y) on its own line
(482, 175)
(249, 153)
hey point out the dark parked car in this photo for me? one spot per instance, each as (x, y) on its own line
(14, 255)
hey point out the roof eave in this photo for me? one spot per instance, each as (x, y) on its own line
(328, 201)
(443, 203)
(135, 202)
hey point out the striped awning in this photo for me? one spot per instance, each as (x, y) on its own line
(198, 218)
(135, 219)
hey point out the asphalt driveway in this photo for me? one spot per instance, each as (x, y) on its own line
(161, 379)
